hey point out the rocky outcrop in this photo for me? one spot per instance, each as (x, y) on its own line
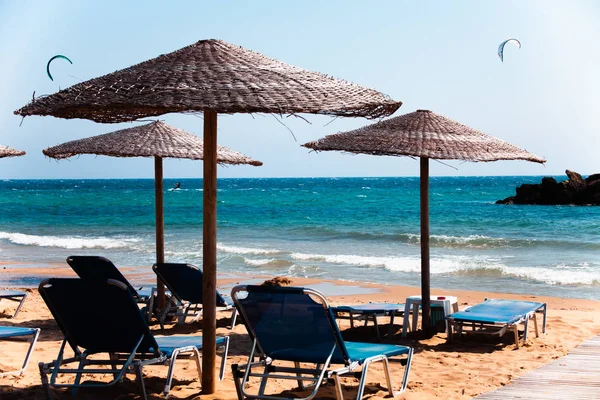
(574, 191)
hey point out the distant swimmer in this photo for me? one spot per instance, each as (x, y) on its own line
(177, 185)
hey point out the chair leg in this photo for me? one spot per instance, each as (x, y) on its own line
(167, 387)
(223, 358)
(140, 380)
(388, 376)
(339, 394)
(234, 315)
(535, 323)
(45, 384)
(363, 379)
(237, 375)
(19, 306)
(516, 332)
(263, 382)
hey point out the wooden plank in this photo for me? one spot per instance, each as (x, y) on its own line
(575, 376)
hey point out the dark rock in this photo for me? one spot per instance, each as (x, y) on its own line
(574, 176)
(575, 191)
(592, 178)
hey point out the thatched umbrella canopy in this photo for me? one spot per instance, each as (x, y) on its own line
(214, 77)
(426, 135)
(157, 140)
(6, 151)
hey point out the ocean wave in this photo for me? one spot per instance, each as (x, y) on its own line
(245, 250)
(404, 264)
(555, 275)
(68, 242)
(467, 266)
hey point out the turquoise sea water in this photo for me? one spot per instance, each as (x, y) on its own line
(361, 229)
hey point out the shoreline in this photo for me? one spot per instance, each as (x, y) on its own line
(440, 370)
(28, 271)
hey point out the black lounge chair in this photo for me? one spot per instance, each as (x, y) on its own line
(103, 318)
(101, 269)
(184, 281)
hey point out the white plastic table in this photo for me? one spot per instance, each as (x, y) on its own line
(450, 304)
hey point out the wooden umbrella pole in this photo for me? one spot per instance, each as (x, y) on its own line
(160, 228)
(425, 273)
(209, 262)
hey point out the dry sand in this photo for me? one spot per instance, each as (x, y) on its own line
(459, 370)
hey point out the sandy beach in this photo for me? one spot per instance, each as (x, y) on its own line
(458, 370)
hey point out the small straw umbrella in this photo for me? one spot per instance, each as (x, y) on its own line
(6, 151)
(212, 76)
(426, 135)
(157, 140)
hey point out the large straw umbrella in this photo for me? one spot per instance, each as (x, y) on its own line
(214, 77)
(6, 151)
(157, 140)
(426, 135)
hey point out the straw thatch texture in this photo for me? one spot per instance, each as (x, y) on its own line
(6, 151)
(211, 75)
(423, 134)
(150, 140)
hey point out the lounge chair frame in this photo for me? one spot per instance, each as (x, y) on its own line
(32, 334)
(182, 308)
(499, 328)
(118, 363)
(315, 376)
(14, 295)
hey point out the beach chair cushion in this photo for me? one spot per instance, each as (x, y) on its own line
(496, 311)
(14, 331)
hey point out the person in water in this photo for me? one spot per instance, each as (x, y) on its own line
(177, 185)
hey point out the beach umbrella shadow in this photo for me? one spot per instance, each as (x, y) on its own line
(212, 76)
(426, 135)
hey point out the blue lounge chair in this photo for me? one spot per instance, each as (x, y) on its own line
(184, 281)
(496, 317)
(296, 325)
(12, 333)
(14, 295)
(103, 318)
(370, 311)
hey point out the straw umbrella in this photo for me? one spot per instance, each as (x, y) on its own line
(6, 151)
(214, 77)
(426, 135)
(157, 140)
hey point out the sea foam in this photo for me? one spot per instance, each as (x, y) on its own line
(67, 242)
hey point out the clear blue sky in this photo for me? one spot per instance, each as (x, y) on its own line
(437, 55)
